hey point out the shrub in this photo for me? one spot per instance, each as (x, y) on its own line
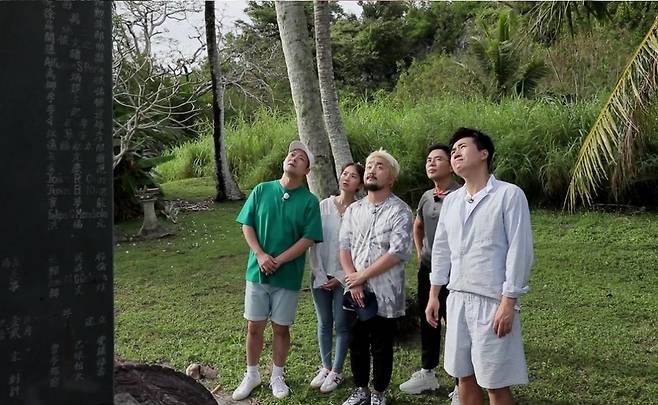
(437, 75)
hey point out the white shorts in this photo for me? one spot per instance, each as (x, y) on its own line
(262, 301)
(471, 347)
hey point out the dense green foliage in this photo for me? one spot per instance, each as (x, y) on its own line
(372, 51)
(588, 321)
(409, 73)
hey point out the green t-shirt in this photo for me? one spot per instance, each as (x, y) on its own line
(279, 223)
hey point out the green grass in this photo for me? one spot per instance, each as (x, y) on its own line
(588, 322)
(193, 189)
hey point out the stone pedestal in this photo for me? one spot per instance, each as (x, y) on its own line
(150, 228)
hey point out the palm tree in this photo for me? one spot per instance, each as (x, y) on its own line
(612, 142)
(340, 147)
(549, 17)
(501, 68)
(306, 94)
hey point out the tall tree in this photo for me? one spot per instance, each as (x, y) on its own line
(614, 138)
(340, 147)
(305, 94)
(227, 188)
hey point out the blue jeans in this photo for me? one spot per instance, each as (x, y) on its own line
(329, 310)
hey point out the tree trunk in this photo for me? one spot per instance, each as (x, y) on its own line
(305, 94)
(340, 147)
(227, 188)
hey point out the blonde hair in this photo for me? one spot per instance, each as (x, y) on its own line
(381, 153)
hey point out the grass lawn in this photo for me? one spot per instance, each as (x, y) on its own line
(589, 322)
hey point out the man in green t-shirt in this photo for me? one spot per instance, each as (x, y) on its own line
(280, 221)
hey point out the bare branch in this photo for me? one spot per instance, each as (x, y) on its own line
(151, 97)
(155, 99)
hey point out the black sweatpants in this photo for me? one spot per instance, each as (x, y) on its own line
(430, 338)
(374, 338)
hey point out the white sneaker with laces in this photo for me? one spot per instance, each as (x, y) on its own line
(331, 382)
(360, 396)
(420, 381)
(318, 380)
(279, 388)
(377, 398)
(249, 382)
(455, 396)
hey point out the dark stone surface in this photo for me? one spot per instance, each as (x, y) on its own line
(157, 385)
(56, 305)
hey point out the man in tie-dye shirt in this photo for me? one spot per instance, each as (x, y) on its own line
(375, 244)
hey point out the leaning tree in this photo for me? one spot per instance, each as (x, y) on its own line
(340, 147)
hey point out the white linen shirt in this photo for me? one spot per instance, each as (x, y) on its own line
(484, 247)
(324, 257)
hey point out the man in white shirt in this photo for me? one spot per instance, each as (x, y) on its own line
(483, 251)
(375, 245)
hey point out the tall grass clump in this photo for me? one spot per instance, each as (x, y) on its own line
(256, 149)
(536, 141)
(193, 158)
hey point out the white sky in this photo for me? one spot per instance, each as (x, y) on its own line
(227, 12)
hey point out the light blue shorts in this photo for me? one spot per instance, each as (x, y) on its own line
(471, 347)
(262, 302)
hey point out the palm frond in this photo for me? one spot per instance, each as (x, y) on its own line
(604, 145)
(531, 74)
(633, 143)
(549, 17)
(480, 51)
(503, 27)
(506, 64)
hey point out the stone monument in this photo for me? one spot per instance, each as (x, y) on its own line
(56, 304)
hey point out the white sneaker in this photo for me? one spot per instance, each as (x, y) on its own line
(455, 396)
(377, 398)
(360, 396)
(420, 381)
(279, 388)
(247, 385)
(331, 382)
(318, 380)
